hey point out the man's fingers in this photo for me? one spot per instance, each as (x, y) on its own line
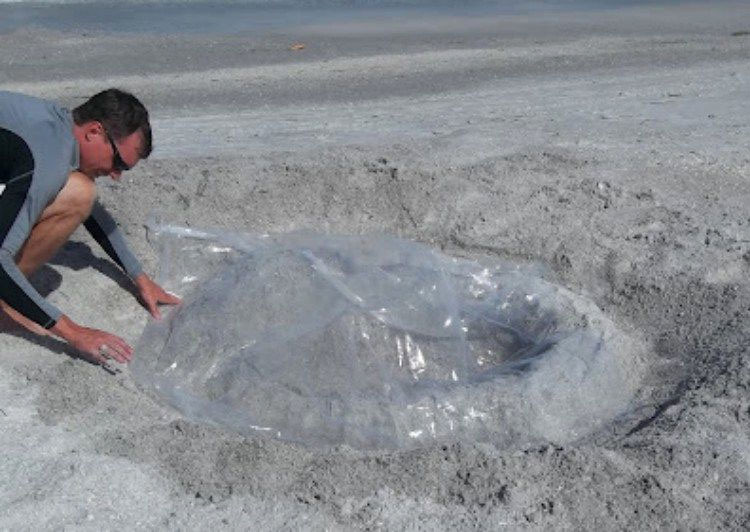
(119, 354)
(115, 348)
(126, 347)
(170, 299)
(108, 352)
(101, 347)
(149, 301)
(122, 348)
(153, 308)
(151, 295)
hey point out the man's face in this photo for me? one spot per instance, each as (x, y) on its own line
(102, 155)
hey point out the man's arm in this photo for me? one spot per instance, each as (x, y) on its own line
(104, 229)
(15, 226)
(17, 293)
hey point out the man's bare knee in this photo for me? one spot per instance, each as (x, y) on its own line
(70, 208)
(78, 194)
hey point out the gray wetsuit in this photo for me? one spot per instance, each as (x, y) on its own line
(37, 153)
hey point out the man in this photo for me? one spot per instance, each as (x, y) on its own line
(49, 159)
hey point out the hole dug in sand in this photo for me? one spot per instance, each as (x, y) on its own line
(377, 342)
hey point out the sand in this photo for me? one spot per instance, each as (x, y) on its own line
(610, 146)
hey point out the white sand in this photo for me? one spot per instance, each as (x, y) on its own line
(610, 146)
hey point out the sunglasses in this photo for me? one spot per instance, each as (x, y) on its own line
(117, 163)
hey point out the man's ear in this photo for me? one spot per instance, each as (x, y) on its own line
(92, 129)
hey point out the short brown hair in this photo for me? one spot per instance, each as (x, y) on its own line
(120, 113)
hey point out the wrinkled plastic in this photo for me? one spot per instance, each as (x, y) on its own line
(373, 341)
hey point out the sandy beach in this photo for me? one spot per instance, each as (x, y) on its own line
(609, 146)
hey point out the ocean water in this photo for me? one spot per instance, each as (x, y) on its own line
(235, 16)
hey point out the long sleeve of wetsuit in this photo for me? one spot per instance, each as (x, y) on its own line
(15, 225)
(38, 150)
(104, 229)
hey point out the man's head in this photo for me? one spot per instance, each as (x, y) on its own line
(113, 133)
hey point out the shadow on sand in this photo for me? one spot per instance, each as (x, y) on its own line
(76, 256)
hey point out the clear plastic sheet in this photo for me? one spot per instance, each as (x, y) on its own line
(376, 342)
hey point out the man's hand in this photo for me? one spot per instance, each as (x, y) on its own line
(152, 294)
(97, 346)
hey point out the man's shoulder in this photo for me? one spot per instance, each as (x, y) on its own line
(9, 97)
(22, 111)
(46, 127)
(34, 118)
(15, 103)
